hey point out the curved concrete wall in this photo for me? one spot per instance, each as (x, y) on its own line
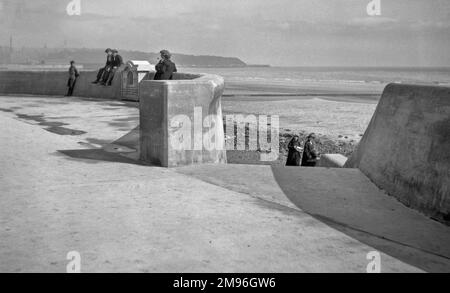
(406, 147)
(332, 161)
(54, 83)
(172, 117)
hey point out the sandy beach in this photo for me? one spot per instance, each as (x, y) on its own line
(336, 117)
(339, 110)
(338, 113)
(335, 104)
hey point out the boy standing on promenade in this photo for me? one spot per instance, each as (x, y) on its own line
(73, 75)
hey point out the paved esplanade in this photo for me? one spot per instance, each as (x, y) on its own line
(63, 187)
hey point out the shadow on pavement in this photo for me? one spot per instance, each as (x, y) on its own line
(349, 202)
(124, 150)
(99, 155)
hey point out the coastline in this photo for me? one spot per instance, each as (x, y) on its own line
(338, 113)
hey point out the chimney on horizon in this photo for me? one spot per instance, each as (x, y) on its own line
(10, 53)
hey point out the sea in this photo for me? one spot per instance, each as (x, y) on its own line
(361, 75)
(334, 101)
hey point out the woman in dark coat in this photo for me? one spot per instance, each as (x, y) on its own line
(310, 155)
(295, 150)
(165, 67)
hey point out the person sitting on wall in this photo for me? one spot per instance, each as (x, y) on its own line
(295, 151)
(116, 63)
(165, 67)
(73, 75)
(310, 155)
(104, 70)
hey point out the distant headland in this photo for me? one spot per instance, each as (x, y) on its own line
(93, 58)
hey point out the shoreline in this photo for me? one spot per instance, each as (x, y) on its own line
(349, 98)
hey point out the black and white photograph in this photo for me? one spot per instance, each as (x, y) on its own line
(246, 137)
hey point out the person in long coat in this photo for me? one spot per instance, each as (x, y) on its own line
(165, 67)
(73, 75)
(104, 70)
(310, 154)
(294, 153)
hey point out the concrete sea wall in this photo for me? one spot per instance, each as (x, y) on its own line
(54, 83)
(406, 147)
(332, 161)
(189, 97)
(173, 120)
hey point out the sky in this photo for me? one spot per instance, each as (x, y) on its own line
(281, 32)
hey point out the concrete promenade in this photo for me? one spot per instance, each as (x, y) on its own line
(67, 184)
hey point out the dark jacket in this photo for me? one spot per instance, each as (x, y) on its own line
(309, 158)
(109, 60)
(117, 61)
(165, 70)
(294, 155)
(73, 72)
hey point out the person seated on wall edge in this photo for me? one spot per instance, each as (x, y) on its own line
(104, 70)
(116, 63)
(165, 67)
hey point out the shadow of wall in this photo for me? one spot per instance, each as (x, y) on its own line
(405, 149)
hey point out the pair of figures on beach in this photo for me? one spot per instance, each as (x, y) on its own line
(310, 155)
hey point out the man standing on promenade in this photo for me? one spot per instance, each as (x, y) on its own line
(310, 155)
(165, 67)
(73, 75)
(116, 63)
(105, 70)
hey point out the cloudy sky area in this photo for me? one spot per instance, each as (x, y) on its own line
(281, 32)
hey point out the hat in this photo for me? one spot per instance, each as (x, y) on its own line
(115, 51)
(311, 135)
(165, 53)
(108, 50)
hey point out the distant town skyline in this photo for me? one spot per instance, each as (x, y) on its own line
(286, 32)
